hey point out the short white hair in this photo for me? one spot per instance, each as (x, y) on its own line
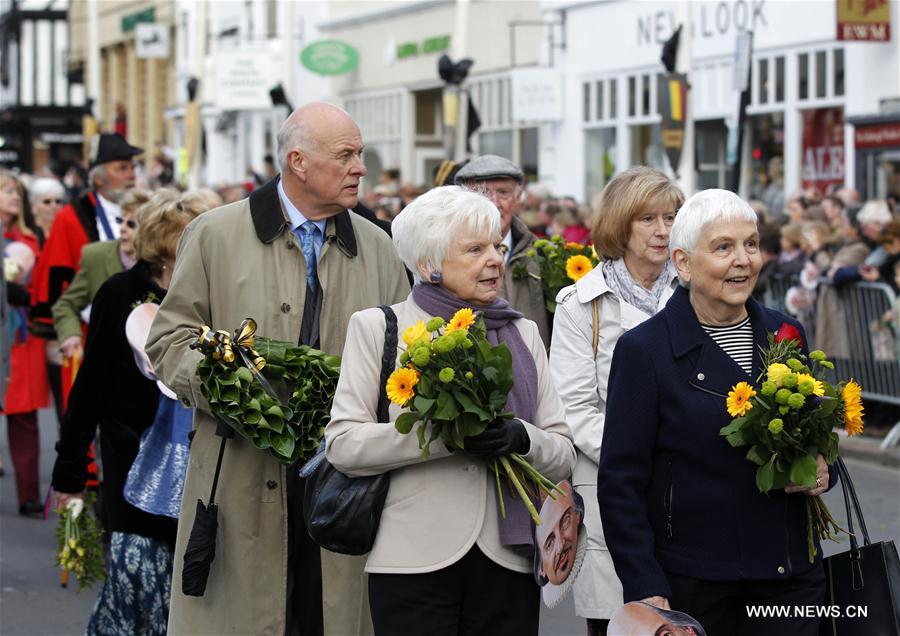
(293, 134)
(876, 211)
(44, 186)
(424, 231)
(708, 206)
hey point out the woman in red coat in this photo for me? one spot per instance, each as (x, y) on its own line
(28, 388)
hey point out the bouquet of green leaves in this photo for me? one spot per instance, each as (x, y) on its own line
(455, 383)
(78, 546)
(274, 394)
(560, 264)
(790, 421)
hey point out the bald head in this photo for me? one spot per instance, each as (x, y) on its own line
(299, 130)
(320, 151)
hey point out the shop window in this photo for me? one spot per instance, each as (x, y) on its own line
(711, 141)
(428, 112)
(528, 151)
(501, 102)
(647, 148)
(613, 84)
(599, 160)
(763, 75)
(497, 143)
(839, 72)
(645, 94)
(767, 152)
(821, 74)
(779, 79)
(632, 102)
(803, 72)
(599, 86)
(586, 97)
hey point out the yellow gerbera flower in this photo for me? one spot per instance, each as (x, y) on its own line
(462, 319)
(776, 373)
(853, 408)
(738, 402)
(400, 386)
(416, 333)
(818, 387)
(577, 266)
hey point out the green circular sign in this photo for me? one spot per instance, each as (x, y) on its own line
(329, 57)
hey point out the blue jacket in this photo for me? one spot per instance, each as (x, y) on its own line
(674, 495)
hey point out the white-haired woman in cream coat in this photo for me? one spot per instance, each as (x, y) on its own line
(443, 561)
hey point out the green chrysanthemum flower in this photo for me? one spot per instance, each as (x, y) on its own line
(776, 426)
(790, 380)
(446, 375)
(421, 356)
(768, 388)
(434, 324)
(796, 401)
(782, 396)
(444, 344)
(794, 364)
(818, 355)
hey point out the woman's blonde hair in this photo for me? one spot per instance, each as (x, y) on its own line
(133, 199)
(162, 221)
(629, 194)
(8, 177)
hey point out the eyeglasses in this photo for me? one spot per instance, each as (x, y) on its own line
(52, 201)
(129, 223)
(500, 195)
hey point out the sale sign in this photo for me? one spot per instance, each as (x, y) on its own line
(823, 148)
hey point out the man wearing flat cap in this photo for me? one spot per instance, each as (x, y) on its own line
(501, 181)
(92, 217)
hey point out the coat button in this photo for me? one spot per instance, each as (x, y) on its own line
(290, 244)
(701, 376)
(285, 308)
(186, 402)
(271, 484)
(781, 569)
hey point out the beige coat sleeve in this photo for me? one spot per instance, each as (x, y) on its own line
(184, 308)
(357, 444)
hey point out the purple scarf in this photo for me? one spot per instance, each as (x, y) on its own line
(436, 300)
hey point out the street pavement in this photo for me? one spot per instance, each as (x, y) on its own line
(33, 603)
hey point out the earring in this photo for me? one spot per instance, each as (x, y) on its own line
(436, 278)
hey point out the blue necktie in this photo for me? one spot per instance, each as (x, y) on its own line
(307, 244)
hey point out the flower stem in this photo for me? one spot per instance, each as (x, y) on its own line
(499, 489)
(520, 489)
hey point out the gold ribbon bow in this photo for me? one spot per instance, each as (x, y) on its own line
(220, 345)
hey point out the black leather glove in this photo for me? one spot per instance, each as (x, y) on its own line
(500, 438)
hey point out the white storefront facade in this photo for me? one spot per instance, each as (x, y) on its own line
(804, 86)
(396, 95)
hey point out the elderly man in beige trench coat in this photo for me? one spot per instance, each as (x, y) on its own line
(247, 259)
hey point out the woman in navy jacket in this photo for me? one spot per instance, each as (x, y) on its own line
(684, 520)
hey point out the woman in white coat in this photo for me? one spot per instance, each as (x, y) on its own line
(444, 562)
(634, 280)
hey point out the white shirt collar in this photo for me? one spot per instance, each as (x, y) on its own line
(508, 242)
(112, 211)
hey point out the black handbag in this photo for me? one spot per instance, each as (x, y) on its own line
(862, 584)
(342, 513)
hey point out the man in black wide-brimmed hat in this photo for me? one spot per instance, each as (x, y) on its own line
(92, 217)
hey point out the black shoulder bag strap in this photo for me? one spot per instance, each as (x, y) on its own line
(388, 360)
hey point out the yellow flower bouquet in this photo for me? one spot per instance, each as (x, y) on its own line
(560, 264)
(454, 383)
(78, 536)
(790, 420)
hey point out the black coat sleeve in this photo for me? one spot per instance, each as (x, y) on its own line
(88, 395)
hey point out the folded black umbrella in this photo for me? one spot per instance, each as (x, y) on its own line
(201, 546)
